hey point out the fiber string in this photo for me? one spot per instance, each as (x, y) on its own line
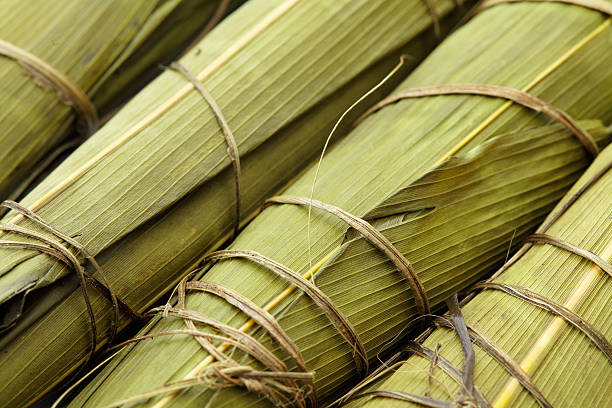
(514, 95)
(226, 372)
(390, 365)
(543, 302)
(261, 317)
(468, 395)
(267, 321)
(432, 365)
(342, 324)
(64, 255)
(374, 237)
(559, 243)
(329, 138)
(503, 358)
(232, 146)
(552, 217)
(275, 385)
(46, 76)
(446, 366)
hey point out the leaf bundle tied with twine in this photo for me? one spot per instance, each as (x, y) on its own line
(543, 318)
(154, 190)
(75, 61)
(451, 181)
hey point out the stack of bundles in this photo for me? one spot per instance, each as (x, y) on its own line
(547, 314)
(450, 181)
(155, 187)
(67, 60)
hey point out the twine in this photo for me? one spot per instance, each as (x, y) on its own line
(46, 76)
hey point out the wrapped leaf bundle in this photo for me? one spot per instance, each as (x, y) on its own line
(453, 223)
(153, 190)
(102, 51)
(548, 343)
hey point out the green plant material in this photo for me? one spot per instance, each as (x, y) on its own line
(548, 349)
(282, 72)
(175, 25)
(555, 52)
(108, 49)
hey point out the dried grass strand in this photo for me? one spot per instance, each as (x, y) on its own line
(446, 366)
(559, 243)
(232, 146)
(432, 366)
(552, 218)
(391, 364)
(48, 77)
(466, 396)
(223, 376)
(262, 317)
(74, 243)
(329, 138)
(249, 344)
(257, 350)
(503, 358)
(61, 253)
(408, 397)
(572, 318)
(511, 94)
(64, 255)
